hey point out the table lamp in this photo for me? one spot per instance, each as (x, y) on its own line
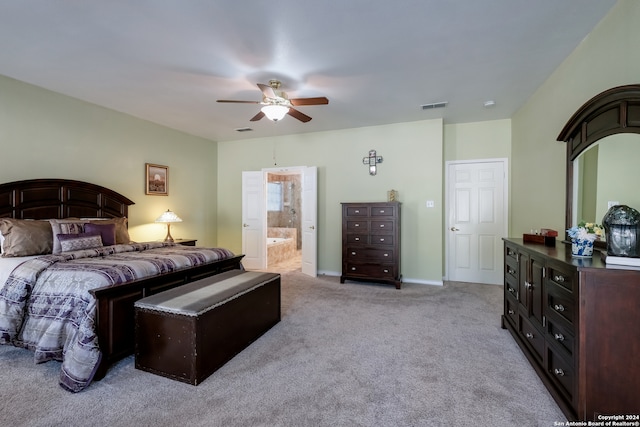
(168, 217)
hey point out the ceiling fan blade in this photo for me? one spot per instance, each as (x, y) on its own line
(298, 115)
(257, 117)
(267, 91)
(321, 100)
(238, 102)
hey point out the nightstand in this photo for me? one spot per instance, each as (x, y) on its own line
(186, 242)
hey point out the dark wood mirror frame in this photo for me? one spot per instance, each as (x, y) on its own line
(611, 112)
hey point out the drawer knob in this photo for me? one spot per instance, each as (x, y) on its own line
(381, 225)
(357, 225)
(385, 270)
(357, 211)
(559, 372)
(386, 254)
(529, 335)
(353, 253)
(382, 239)
(510, 289)
(559, 337)
(559, 307)
(558, 278)
(511, 311)
(511, 271)
(381, 211)
(353, 269)
(356, 239)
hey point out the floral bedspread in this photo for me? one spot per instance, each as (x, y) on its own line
(46, 306)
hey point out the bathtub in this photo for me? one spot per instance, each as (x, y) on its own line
(276, 240)
(280, 249)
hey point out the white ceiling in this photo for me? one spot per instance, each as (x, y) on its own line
(376, 60)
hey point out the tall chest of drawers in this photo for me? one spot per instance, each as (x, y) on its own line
(578, 324)
(371, 242)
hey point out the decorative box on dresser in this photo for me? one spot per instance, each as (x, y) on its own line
(578, 324)
(371, 242)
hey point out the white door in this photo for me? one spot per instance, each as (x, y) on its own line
(254, 213)
(476, 220)
(309, 221)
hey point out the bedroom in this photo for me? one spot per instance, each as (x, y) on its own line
(67, 128)
(45, 134)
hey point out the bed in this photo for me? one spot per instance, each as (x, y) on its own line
(108, 323)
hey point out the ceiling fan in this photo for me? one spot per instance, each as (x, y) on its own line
(276, 104)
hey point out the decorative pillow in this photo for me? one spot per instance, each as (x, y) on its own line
(65, 226)
(78, 241)
(106, 231)
(122, 233)
(25, 237)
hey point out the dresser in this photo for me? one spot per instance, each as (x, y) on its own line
(371, 242)
(578, 324)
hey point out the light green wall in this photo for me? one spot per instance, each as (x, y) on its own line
(48, 135)
(606, 58)
(478, 140)
(618, 173)
(413, 162)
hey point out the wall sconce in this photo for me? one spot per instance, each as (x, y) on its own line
(168, 217)
(372, 161)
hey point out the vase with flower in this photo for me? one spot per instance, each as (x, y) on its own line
(582, 237)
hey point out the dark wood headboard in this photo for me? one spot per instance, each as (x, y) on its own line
(60, 198)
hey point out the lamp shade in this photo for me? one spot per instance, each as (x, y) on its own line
(169, 217)
(275, 112)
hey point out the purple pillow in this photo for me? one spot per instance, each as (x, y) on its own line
(106, 231)
(78, 241)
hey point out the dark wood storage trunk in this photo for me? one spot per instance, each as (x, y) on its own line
(190, 345)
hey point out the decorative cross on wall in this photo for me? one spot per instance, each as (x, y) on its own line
(372, 160)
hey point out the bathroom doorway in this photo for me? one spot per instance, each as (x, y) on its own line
(291, 213)
(284, 226)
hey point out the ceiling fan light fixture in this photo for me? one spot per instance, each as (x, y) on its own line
(275, 112)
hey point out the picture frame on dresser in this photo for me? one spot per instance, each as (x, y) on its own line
(156, 180)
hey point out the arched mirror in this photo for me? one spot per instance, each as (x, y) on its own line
(603, 154)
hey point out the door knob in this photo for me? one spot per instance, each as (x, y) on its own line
(455, 229)
(245, 225)
(312, 227)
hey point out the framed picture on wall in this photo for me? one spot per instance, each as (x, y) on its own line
(157, 180)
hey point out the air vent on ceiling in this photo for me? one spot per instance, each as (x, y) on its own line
(243, 130)
(434, 105)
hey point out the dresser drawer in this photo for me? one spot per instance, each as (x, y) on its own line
(510, 253)
(560, 302)
(561, 277)
(561, 373)
(511, 271)
(356, 238)
(511, 310)
(511, 287)
(378, 226)
(357, 211)
(533, 337)
(358, 225)
(371, 270)
(383, 211)
(562, 337)
(369, 254)
(382, 239)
